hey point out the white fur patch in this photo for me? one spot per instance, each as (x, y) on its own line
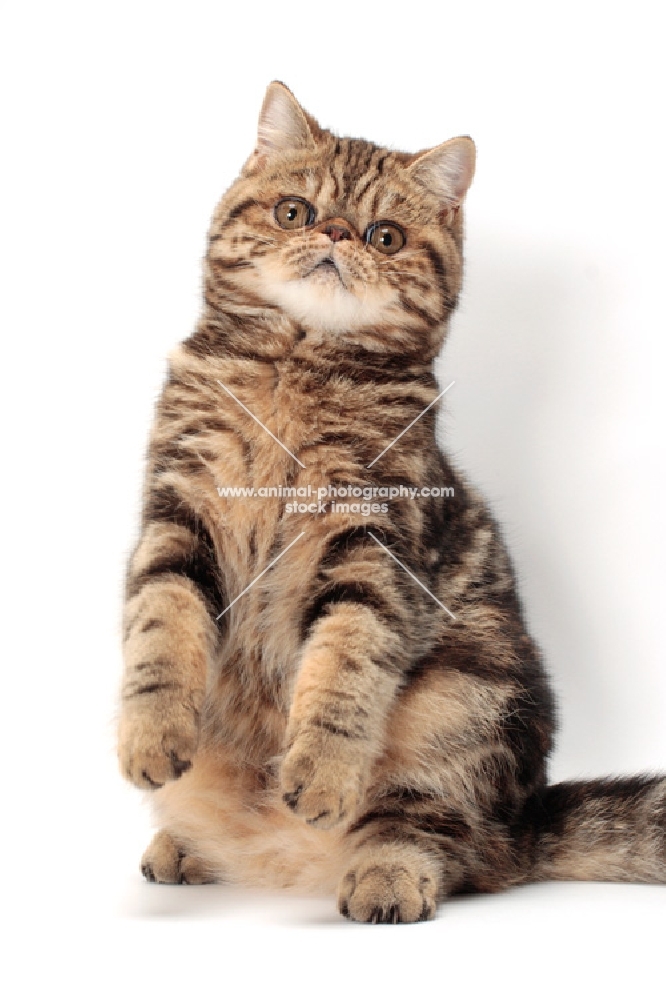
(323, 304)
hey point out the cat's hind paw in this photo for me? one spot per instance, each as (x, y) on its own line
(164, 861)
(387, 890)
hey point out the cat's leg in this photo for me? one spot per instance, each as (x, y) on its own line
(165, 860)
(360, 624)
(437, 817)
(170, 634)
(337, 717)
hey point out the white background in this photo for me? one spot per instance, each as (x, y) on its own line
(122, 125)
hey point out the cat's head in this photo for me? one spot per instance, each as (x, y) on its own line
(350, 240)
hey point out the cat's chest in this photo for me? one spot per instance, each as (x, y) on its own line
(290, 426)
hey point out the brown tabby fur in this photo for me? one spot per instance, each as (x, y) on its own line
(336, 728)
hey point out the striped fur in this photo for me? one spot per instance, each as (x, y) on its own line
(337, 729)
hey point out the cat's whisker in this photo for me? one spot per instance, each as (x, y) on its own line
(406, 274)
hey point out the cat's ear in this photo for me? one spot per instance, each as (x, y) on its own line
(283, 125)
(446, 170)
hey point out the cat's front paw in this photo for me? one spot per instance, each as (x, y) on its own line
(322, 782)
(157, 740)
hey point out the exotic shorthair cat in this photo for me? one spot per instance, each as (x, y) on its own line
(327, 695)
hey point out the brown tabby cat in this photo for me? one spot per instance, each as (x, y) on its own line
(341, 697)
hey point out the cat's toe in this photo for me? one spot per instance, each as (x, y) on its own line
(193, 871)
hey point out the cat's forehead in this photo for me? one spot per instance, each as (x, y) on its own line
(353, 178)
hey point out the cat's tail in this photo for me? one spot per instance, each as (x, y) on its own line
(605, 830)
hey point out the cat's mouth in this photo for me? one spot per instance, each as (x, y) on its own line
(327, 266)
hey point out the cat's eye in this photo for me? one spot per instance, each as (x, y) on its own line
(294, 213)
(385, 237)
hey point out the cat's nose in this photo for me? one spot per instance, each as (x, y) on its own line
(337, 231)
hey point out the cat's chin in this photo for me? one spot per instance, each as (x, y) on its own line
(320, 301)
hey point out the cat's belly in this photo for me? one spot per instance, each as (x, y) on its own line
(245, 834)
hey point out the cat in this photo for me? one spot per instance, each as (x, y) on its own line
(341, 696)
